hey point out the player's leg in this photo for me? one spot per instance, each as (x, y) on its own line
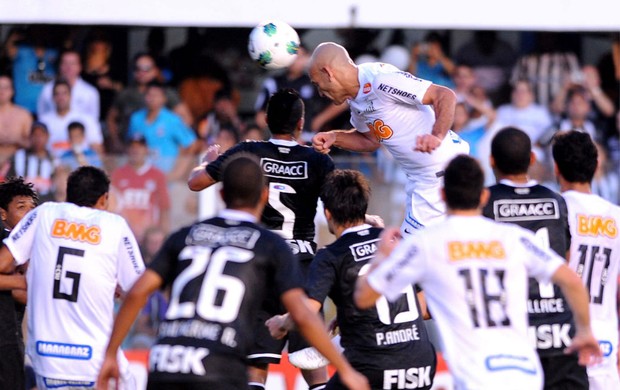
(315, 378)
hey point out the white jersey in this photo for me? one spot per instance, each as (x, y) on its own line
(595, 255)
(78, 255)
(474, 273)
(389, 104)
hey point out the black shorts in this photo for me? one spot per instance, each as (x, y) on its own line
(12, 373)
(376, 381)
(266, 349)
(222, 373)
(564, 372)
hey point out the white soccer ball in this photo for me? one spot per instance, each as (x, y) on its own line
(273, 44)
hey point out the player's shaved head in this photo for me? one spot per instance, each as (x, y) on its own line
(329, 54)
(243, 181)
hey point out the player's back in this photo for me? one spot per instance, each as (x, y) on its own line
(295, 174)
(475, 281)
(78, 256)
(543, 212)
(595, 256)
(219, 271)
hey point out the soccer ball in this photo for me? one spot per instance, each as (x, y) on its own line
(273, 44)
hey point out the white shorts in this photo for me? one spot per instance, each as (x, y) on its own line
(604, 376)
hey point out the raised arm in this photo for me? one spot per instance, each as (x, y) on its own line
(443, 101)
(351, 140)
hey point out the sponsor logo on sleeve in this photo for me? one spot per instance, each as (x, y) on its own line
(131, 252)
(284, 169)
(27, 223)
(514, 210)
(65, 351)
(367, 88)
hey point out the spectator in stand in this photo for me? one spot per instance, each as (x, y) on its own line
(254, 132)
(131, 99)
(172, 141)
(492, 60)
(35, 164)
(606, 180)
(602, 110)
(470, 129)
(154, 312)
(523, 112)
(79, 153)
(84, 97)
(429, 61)
(469, 92)
(34, 63)
(224, 114)
(227, 138)
(98, 70)
(15, 121)
(139, 190)
(57, 121)
(552, 61)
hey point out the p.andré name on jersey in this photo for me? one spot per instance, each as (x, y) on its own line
(284, 169)
(511, 210)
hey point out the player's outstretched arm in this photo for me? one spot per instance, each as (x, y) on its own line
(313, 329)
(135, 300)
(199, 179)
(443, 101)
(577, 297)
(351, 140)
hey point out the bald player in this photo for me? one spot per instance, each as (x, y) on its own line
(411, 117)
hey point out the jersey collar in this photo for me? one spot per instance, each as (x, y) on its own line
(237, 215)
(357, 228)
(283, 142)
(530, 183)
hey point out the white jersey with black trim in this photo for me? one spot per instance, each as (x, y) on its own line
(595, 256)
(474, 273)
(389, 104)
(78, 255)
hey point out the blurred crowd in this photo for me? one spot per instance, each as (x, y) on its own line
(72, 96)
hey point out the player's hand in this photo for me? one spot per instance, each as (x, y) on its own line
(390, 237)
(587, 347)
(427, 143)
(277, 326)
(322, 142)
(354, 380)
(212, 153)
(374, 221)
(109, 370)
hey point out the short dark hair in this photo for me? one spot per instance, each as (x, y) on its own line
(463, 183)
(39, 125)
(284, 110)
(242, 181)
(76, 125)
(86, 185)
(60, 81)
(13, 187)
(345, 193)
(575, 155)
(511, 149)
